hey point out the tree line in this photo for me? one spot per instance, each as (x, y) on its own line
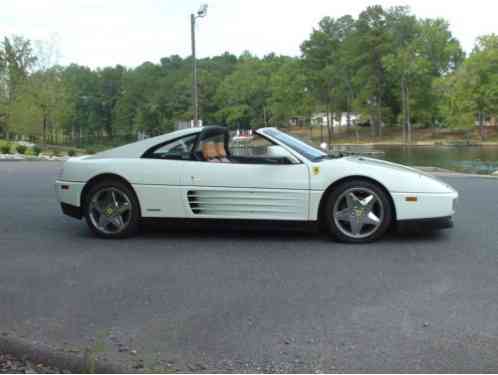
(389, 66)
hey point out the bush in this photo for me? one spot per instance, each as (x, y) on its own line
(71, 152)
(5, 149)
(21, 149)
(55, 152)
(36, 150)
(90, 151)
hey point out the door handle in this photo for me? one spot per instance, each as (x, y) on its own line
(194, 179)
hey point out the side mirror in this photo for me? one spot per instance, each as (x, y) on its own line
(277, 151)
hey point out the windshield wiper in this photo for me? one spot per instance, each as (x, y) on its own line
(334, 155)
(322, 157)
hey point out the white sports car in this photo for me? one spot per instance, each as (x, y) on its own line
(200, 174)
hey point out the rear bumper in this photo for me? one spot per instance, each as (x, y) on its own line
(426, 224)
(71, 210)
(68, 194)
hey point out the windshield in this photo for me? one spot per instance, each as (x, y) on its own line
(309, 152)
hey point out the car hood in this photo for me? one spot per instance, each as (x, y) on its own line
(395, 177)
(384, 164)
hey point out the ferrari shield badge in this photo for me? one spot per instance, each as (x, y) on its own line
(316, 171)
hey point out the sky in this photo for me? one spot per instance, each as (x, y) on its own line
(109, 32)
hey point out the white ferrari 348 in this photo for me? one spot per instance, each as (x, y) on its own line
(202, 174)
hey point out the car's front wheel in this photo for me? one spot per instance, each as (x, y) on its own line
(358, 211)
(111, 210)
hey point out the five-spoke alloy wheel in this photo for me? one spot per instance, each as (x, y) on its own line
(111, 210)
(358, 211)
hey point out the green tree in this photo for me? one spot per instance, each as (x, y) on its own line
(372, 44)
(386, 65)
(242, 96)
(471, 93)
(16, 61)
(290, 96)
(444, 54)
(405, 62)
(329, 70)
(454, 106)
(40, 103)
(37, 93)
(81, 86)
(108, 94)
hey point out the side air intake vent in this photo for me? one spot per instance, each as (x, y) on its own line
(193, 200)
(245, 203)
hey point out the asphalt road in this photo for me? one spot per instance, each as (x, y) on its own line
(223, 299)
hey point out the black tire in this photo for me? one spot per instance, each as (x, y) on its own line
(384, 209)
(132, 223)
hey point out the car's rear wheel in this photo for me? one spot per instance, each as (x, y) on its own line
(358, 211)
(111, 210)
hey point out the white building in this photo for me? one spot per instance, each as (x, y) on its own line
(179, 125)
(338, 119)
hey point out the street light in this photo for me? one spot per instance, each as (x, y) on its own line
(202, 10)
(195, 100)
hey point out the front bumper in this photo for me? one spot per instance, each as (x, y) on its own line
(426, 224)
(425, 205)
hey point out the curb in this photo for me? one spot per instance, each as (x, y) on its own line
(41, 353)
(467, 175)
(29, 160)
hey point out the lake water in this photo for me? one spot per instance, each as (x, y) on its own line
(469, 159)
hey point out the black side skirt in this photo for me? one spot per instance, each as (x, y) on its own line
(423, 224)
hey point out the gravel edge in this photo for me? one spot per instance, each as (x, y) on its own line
(37, 352)
(10, 364)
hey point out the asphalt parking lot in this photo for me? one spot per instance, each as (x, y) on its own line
(226, 299)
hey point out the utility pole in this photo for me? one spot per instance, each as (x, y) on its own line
(195, 104)
(195, 95)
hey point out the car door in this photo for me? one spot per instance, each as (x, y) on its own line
(160, 190)
(246, 190)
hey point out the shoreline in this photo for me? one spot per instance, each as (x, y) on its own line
(417, 144)
(437, 171)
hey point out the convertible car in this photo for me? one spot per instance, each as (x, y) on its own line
(200, 174)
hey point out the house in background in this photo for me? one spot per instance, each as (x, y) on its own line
(339, 120)
(179, 125)
(299, 121)
(487, 120)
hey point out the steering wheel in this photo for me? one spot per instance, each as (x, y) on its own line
(183, 146)
(196, 155)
